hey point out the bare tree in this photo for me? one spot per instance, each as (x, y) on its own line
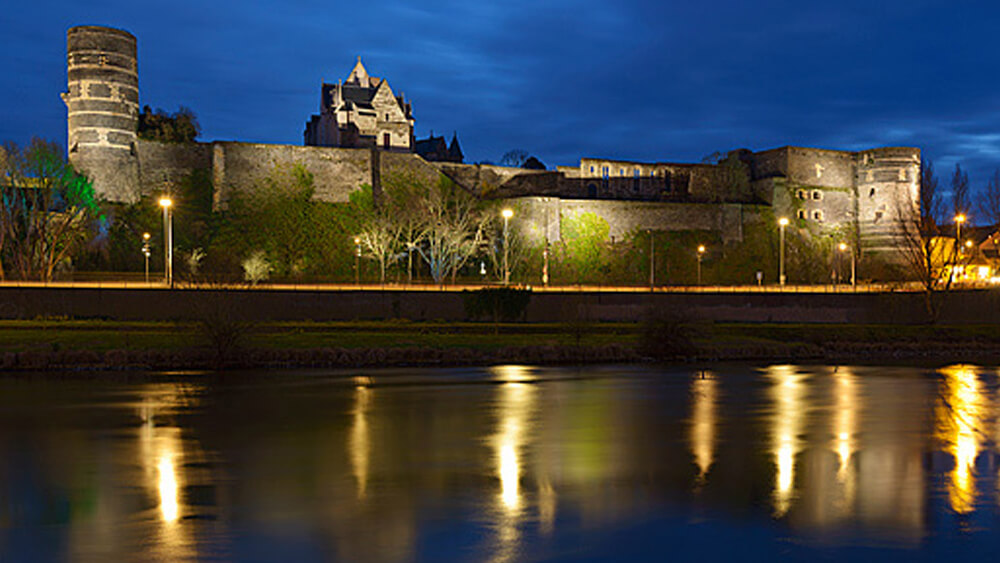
(455, 225)
(515, 158)
(960, 192)
(403, 195)
(926, 253)
(989, 205)
(379, 232)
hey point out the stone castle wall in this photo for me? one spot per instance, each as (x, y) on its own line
(540, 218)
(826, 192)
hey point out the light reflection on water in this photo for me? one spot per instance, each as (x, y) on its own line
(960, 421)
(786, 428)
(501, 464)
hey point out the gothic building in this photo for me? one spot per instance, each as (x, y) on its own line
(435, 149)
(362, 111)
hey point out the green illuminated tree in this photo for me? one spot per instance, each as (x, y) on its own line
(48, 210)
(585, 238)
(277, 216)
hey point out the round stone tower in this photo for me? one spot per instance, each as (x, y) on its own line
(103, 109)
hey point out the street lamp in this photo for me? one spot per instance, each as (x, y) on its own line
(652, 261)
(701, 252)
(843, 247)
(782, 223)
(959, 219)
(545, 264)
(507, 214)
(168, 228)
(357, 260)
(145, 252)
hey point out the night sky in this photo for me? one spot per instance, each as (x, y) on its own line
(651, 81)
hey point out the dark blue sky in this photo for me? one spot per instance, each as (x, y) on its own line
(667, 80)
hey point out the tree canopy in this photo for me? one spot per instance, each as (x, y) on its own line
(178, 127)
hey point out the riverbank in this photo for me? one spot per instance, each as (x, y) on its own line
(66, 345)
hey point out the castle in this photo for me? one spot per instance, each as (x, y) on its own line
(361, 111)
(365, 132)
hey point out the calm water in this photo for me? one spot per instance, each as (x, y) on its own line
(505, 464)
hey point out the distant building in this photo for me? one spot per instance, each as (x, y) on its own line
(435, 149)
(361, 111)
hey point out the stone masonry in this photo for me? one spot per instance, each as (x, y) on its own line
(825, 193)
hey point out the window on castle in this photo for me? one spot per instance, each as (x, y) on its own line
(801, 194)
(878, 216)
(591, 169)
(621, 172)
(871, 193)
(817, 195)
(386, 140)
(818, 215)
(801, 213)
(604, 172)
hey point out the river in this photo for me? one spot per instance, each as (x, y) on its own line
(508, 463)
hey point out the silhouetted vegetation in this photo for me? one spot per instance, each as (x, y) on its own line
(497, 304)
(178, 127)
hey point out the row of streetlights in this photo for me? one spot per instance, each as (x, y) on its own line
(843, 247)
(167, 204)
(168, 248)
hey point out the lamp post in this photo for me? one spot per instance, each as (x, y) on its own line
(168, 228)
(959, 219)
(843, 248)
(545, 264)
(782, 223)
(652, 262)
(409, 263)
(507, 214)
(701, 252)
(357, 260)
(145, 252)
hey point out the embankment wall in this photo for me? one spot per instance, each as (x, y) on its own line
(966, 307)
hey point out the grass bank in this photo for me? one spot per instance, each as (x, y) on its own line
(91, 344)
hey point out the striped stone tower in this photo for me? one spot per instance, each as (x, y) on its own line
(103, 109)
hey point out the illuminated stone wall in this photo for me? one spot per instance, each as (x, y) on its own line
(541, 217)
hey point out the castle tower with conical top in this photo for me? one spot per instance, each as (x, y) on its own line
(102, 100)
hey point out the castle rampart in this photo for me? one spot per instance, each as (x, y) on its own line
(829, 194)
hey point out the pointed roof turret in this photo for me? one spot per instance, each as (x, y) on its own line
(358, 74)
(455, 151)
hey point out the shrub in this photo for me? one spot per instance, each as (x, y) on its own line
(496, 303)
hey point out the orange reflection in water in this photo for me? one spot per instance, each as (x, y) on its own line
(359, 439)
(845, 424)
(515, 410)
(958, 422)
(162, 453)
(788, 394)
(704, 398)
